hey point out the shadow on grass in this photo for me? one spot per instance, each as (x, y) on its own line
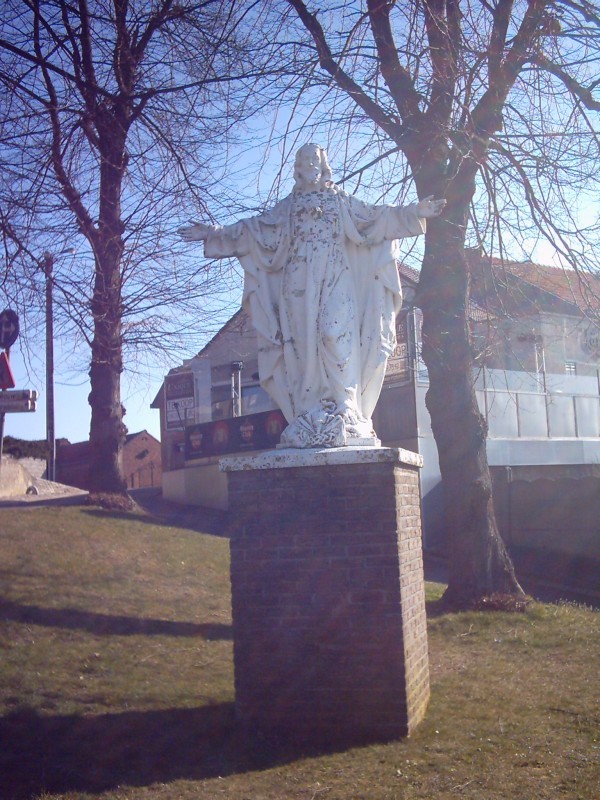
(435, 608)
(107, 624)
(194, 518)
(41, 753)
(53, 754)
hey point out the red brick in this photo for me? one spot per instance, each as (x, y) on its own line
(328, 600)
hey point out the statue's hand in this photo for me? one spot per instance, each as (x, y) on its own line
(197, 232)
(429, 207)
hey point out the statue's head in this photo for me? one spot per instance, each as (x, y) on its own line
(311, 168)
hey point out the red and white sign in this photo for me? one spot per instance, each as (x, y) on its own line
(7, 380)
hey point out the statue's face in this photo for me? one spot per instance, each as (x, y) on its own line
(308, 167)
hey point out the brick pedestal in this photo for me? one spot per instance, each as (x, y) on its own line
(330, 639)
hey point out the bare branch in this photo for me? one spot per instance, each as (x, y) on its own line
(341, 78)
(397, 78)
(443, 32)
(583, 93)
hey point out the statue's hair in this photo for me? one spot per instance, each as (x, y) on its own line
(326, 176)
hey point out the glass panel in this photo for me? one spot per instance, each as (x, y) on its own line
(514, 381)
(532, 416)
(561, 416)
(479, 378)
(572, 384)
(481, 402)
(422, 373)
(588, 416)
(502, 415)
(496, 379)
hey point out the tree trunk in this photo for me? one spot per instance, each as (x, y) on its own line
(107, 431)
(479, 564)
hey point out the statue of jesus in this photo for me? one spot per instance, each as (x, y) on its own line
(322, 290)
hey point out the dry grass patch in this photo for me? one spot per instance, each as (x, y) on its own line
(116, 683)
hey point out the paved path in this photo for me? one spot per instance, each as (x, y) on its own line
(48, 492)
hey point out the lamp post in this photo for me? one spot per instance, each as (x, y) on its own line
(236, 388)
(48, 269)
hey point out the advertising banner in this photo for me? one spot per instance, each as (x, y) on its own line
(234, 435)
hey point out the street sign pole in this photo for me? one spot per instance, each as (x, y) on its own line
(48, 266)
(1, 440)
(11, 401)
(2, 415)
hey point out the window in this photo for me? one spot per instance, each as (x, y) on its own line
(221, 401)
(570, 368)
(255, 399)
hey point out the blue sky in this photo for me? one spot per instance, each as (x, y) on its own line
(72, 411)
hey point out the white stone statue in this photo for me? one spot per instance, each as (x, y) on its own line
(322, 290)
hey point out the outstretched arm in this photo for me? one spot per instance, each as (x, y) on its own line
(196, 232)
(219, 242)
(429, 207)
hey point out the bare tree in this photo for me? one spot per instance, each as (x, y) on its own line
(110, 115)
(493, 106)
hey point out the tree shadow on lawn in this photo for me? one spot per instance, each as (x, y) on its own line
(195, 518)
(108, 624)
(40, 753)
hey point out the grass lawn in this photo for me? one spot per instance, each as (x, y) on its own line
(116, 682)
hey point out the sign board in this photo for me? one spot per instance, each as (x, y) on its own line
(234, 435)
(398, 365)
(180, 400)
(18, 401)
(9, 328)
(7, 380)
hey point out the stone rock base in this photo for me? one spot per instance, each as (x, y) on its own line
(330, 639)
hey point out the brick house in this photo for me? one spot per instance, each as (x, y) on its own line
(142, 466)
